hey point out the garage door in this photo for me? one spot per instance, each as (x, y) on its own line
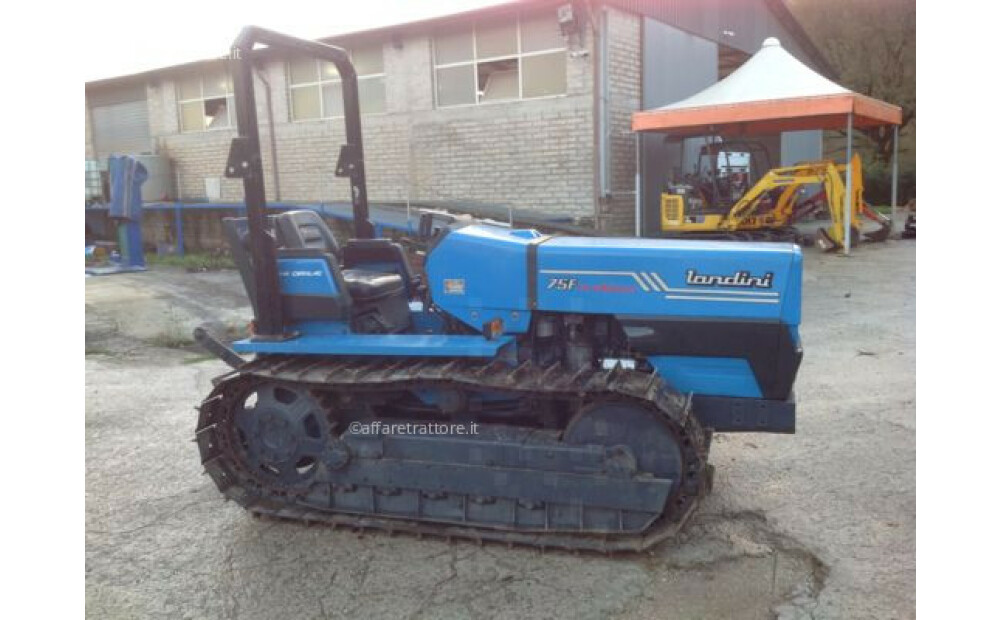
(120, 122)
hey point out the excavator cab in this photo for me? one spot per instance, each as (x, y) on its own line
(722, 173)
(732, 168)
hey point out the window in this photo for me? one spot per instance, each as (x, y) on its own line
(517, 58)
(206, 102)
(315, 90)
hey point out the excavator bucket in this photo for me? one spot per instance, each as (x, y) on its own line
(825, 242)
(879, 235)
(830, 239)
(884, 224)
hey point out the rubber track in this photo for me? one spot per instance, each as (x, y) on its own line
(221, 461)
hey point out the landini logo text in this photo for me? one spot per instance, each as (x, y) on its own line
(740, 279)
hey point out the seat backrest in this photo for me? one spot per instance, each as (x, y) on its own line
(309, 294)
(312, 245)
(305, 230)
(381, 255)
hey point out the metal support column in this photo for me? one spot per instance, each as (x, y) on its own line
(638, 188)
(178, 229)
(895, 171)
(850, 186)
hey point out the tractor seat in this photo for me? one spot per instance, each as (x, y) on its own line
(365, 285)
(379, 300)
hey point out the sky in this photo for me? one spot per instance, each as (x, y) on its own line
(129, 37)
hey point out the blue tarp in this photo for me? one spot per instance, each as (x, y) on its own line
(127, 176)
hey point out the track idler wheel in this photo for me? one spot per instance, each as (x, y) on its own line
(284, 435)
(642, 442)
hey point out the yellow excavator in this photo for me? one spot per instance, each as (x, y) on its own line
(718, 202)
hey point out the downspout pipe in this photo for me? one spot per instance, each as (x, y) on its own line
(272, 139)
(602, 117)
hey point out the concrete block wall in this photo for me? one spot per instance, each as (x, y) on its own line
(202, 229)
(528, 154)
(535, 154)
(625, 82)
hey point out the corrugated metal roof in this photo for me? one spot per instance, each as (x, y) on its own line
(735, 23)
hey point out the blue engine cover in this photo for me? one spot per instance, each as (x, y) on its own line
(668, 277)
(480, 272)
(712, 317)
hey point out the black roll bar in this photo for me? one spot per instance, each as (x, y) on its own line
(245, 160)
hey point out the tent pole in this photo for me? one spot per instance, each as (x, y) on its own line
(895, 170)
(848, 196)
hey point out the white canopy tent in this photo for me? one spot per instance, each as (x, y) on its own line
(773, 92)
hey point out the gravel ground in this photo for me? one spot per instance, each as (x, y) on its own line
(816, 525)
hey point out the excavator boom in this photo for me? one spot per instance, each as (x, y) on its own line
(774, 204)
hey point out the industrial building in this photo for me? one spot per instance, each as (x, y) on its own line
(525, 105)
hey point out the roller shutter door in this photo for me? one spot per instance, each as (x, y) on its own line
(120, 123)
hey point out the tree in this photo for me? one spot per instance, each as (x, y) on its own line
(872, 45)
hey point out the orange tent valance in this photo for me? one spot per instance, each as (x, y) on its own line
(770, 116)
(773, 91)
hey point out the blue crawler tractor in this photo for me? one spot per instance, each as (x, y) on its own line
(525, 388)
